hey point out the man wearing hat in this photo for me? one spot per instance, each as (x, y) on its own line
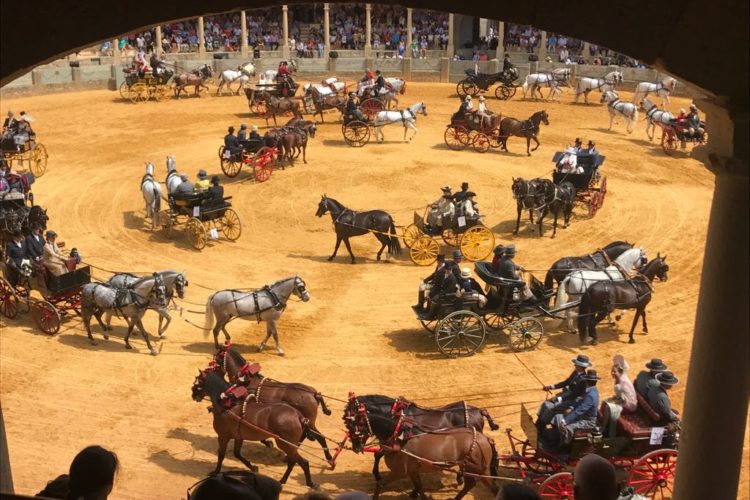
(461, 195)
(35, 243)
(483, 113)
(448, 289)
(693, 123)
(434, 280)
(572, 387)
(645, 379)
(577, 146)
(10, 125)
(185, 187)
(659, 400)
(352, 109)
(442, 210)
(509, 270)
(469, 287)
(254, 135)
(53, 259)
(231, 142)
(464, 108)
(202, 183)
(380, 83)
(242, 134)
(591, 149)
(498, 253)
(216, 190)
(582, 417)
(15, 251)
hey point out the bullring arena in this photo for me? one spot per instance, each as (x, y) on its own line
(357, 333)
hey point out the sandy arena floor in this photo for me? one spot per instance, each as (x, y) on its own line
(358, 332)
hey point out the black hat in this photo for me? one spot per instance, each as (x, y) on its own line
(510, 249)
(581, 360)
(465, 184)
(457, 254)
(499, 250)
(441, 256)
(666, 378)
(215, 179)
(592, 143)
(656, 365)
(377, 71)
(17, 233)
(231, 129)
(578, 140)
(591, 375)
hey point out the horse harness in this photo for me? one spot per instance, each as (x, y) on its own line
(277, 303)
(613, 104)
(405, 118)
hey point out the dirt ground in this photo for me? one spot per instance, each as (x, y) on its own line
(357, 333)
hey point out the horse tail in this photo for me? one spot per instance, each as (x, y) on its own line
(561, 288)
(494, 459)
(584, 314)
(209, 322)
(525, 86)
(155, 219)
(322, 403)
(403, 88)
(488, 417)
(305, 423)
(549, 279)
(394, 245)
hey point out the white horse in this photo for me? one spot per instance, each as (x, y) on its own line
(576, 283)
(173, 178)
(269, 75)
(553, 80)
(407, 117)
(662, 89)
(266, 304)
(586, 84)
(241, 75)
(397, 84)
(615, 106)
(329, 86)
(655, 116)
(152, 194)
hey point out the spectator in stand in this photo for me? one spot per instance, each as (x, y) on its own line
(91, 476)
(552, 43)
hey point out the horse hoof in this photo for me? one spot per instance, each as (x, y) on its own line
(106, 337)
(313, 486)
(631, 341)
(154, 352)
(261, 347)
(162, 336)
(594, 342)
(281, 353)
(330, 259)
(254, 468)
(93, 342)
(128, 346)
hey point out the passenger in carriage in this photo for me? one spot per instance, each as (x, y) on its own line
(584, 411)
(352, 109)
(56, 262)
(509, 270)
(470, 288)
(468, 208)
(624, 401)
(254, 135)
(434, 280)
(35, 244)
(573, 388)
(216, 190)
(591, 149)
(578, 145)
(693, 122)
(157, 65)
(202, 184)
(447, 289)
(659, 400)
(441, 210)
(16, 258)
(231, 142)
(369, 76)
(568, 164)
(242, 134)
(465, 108)
(461, 195)
(645, 379)
(380, 84)
(10, 125)
(483, 113)
(185, 187)
(507, 65)
(140, 62)
(498, 253)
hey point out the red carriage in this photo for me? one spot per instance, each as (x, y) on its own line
(676, 136)
(470, 131)
(591, 186)
(261, 158)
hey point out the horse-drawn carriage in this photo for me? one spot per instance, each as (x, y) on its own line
(24, 148)
(462, 230)
(142, 87)
(356, 132)
(476, 83)
(590, 185)
(202, 217)
(471, 131)
(674, 136)
(645, 450)
(257, 93)
(255, 153)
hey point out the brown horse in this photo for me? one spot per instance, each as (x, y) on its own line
(527, 128)
(303, 398)
(279, 106)
(294, 141)
(252, 421)
(197, 78)
(323, 103)
(410, 450)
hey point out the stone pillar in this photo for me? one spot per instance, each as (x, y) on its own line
(408, 34)
(157, 41)
(450, 48)
(6, 478)
(243, 41)
(285, 28)
(585, 52)
(201, 37)
(406, 68)
(116, 57)
(500, 51)
(326, 28)
(368, 31)
(445, 69)
(543, 46)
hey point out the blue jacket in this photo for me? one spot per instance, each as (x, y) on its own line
(586, 408)
(573, 387)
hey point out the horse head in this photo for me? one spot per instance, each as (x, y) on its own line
(180, 282)
(248, 69)
(159, 291)
(543, 117)
(520, 188)
(423, 108)
(149, 168)
(170, 164)
(300, 289)
(609, 96)
(322, 206)
(198, 393)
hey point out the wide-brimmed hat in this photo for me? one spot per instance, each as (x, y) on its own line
(481, 98)
(578, 140)
(581, 360)
(499, 250)
(254, 128)
(50, 234)
(466, 272)
(510, 249)
(202, 174)
(446, 189)
(656, 365)
(457, 254)
(231, 129)
(215, 179)
(591, 375)
(441, 256)
(666, 378)
(693, 106)
(592, 143)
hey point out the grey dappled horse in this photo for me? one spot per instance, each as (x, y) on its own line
(266, 304)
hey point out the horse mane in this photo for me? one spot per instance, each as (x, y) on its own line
(236, 357)
(376, 400)
(140, 280)
(214, 385)
(648, 268)
(282, 280)
(382, 425)
(338, 204)
(616, 244)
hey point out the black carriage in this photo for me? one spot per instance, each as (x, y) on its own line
(468, 131)
(476, 83)
(140, 87)
(22, 149)
(591, 186)
(253, 152)
(255, 101)
(460, 324)
(356, 132)
(203, 218)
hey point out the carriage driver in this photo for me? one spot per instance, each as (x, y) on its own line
(433, 280)
(693, 124)
(16, 251)
(352, 109)
(573, 387)
(464, 108)
(380, 84)
(231, 142)
(509, 270)
(156, 64)
(441, 210)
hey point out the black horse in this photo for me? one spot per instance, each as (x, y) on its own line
(526, 128)
(605, 296)
(598, 259)
(348, 223)
(529, 195)
(558, 200)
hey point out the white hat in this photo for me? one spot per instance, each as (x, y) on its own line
(466, 272)
(481, 98)
(255, 128)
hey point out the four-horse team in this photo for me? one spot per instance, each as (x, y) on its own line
(408, 437)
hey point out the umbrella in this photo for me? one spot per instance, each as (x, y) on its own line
(28, 118)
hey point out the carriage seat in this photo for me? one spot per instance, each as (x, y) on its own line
(187, 199)
(638, 424)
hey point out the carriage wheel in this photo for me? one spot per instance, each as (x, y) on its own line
(558, 487)
(265, 161)
(424, 251)
(460, 334)
(371, 107)
(468, 88)
(231, 225)
(138, 93)
(161, 92)
(477, 243)
(168, 225)
(504, 92)
(669, 141)
(462, 133)
(481, 143)
(229, 166)
(196, 233)
(38, 164)
(125, 90)
(499, 322)
(8, 300)
(356, 133)
(594, 203)
(429, 325)
(411, 234)
(525, 334)
(453, 138)
(46, 317)
(450, 238)
(653, 475)
(460, 89)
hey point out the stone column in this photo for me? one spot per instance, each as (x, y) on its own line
(285, 28)
(6, 477)
(543, 46)
(116, 57)
(201, 37)
(243, 42)
(157, 41)
(408, 32)
(500, 51)
(450, 49)
(368, 31)
(326, 28)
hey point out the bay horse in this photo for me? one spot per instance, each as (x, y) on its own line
(409, 449)
(348, 223)
(266, 304)
(527, 128)
(325, 102)
(278, 106)
(598, 259)
(558, 200)
(196, 78)
(604, 297)
(303, 398)
(253, 421)
(528, 196)
(294, 140)
(458, 414)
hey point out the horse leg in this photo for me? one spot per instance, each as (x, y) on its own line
(349, 248)
(335, 250)
(518, 220)
(86, 313)
(144, 334)
(275, 333)
(393, 475)
(554, 224)
(317, 436)
(164, 315)
(417, 482)
(528, 145)
(540, 221)
(631, 340)
(536, 141)
(238, 455)
(383, 241)
(268, 336)
(306, 469)
(469, 483)
(645, 326)
(223, 442)
(289, 467)
(376, 467)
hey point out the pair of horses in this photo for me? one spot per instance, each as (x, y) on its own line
(273, 106)
(543, 196)
(196, 79)
(291, 139)
(551, 79)
(324, 102)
